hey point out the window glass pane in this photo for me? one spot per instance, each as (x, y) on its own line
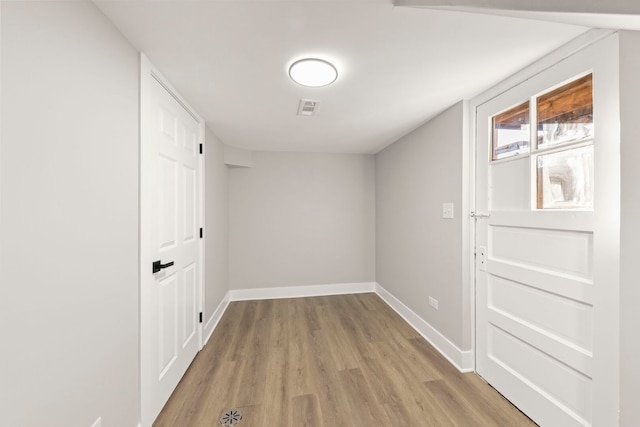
(566, 114)
(511, 132)
(565, 179)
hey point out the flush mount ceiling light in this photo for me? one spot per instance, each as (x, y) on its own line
(313, 72)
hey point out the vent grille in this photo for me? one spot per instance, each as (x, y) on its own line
(231, 417)
(307, 107)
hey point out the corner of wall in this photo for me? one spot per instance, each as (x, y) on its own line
(237, 157)
(462, 360)
(211, 323)
(468, 227)
(630, 231)
(415, 176)
(216, 226)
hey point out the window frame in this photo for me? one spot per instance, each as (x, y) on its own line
(534, 150)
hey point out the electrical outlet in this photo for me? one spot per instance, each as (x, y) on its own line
(433, 302)
(98, 423)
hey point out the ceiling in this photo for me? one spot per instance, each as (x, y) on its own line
(398, 66)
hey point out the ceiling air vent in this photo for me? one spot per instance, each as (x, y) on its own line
(307, 107)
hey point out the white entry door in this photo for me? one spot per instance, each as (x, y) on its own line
(543, 186)
(170, 242)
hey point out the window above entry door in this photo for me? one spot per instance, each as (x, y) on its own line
(560, 144)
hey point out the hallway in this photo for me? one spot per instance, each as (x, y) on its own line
(345, 360)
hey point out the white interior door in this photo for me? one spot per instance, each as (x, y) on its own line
(170, 243)
(542, 261)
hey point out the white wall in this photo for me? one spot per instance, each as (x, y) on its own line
(630, 235)
(216, 231)
(69, 218)
(418, 253)
(302, 219)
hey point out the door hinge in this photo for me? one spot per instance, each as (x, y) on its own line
(200, 317)
(201, 232)
(200, 148)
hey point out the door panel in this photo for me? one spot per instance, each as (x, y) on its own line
(557, 382)
(167, 311)
(190, 207)
(167, 202)
(189, 302)
(547, 280)
(171, 215)
(563, 251)
(535, 303)
(571, 287)
(564, 318)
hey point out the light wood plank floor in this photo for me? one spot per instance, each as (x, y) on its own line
(336, 361)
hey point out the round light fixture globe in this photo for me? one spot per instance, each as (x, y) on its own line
(313, 72)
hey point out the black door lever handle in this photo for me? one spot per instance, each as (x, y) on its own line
(157, 265)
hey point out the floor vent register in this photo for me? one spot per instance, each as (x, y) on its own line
(231, 417)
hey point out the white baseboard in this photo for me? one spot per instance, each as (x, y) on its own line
(301, 291)
(463, 360)
(212, 322)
